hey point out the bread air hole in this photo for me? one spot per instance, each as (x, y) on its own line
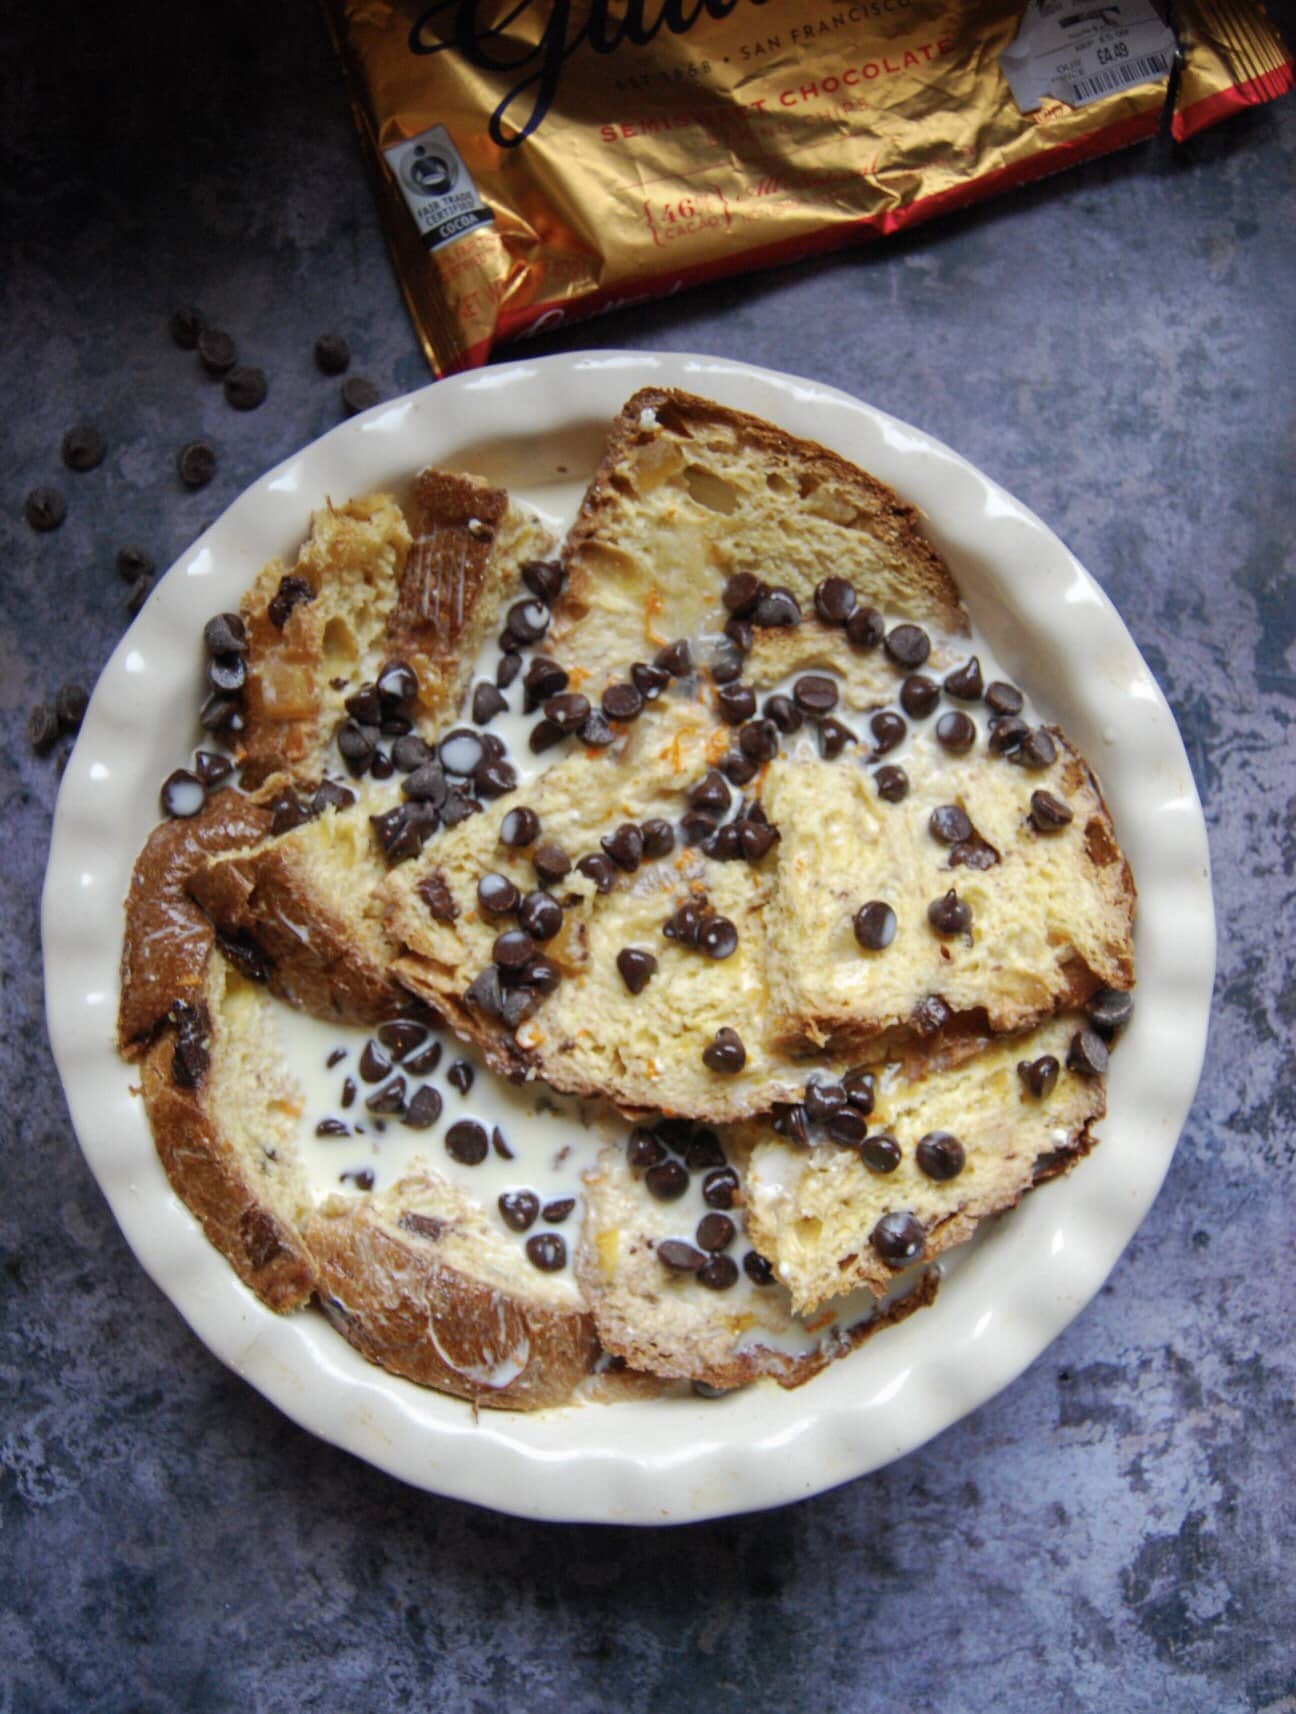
(340, 650)
(710, 490)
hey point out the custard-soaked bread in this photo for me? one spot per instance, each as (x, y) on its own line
(689, 1313)
(307, 901)
(690, 493)
(366, 588)
(813, 1211)
(592, 1034)
(1051, 912)
(418, 1279)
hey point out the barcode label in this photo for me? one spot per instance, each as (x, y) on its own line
(1118, 77)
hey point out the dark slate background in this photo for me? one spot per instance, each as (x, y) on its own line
(1116, 1531)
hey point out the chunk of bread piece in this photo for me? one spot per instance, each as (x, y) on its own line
(687, 494)
(811, 1211)
(417, 1279)
(592, 1036)
(168, 938)
(307, 900)
(668, 1323)
(369, 589)
(1052, 914)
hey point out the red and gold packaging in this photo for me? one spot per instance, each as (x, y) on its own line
(538, 161)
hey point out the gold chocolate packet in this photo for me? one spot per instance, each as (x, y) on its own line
(537, 161)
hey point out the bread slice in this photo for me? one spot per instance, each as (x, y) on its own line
(168, 938)
(811, 1210)
(667, 1323)
(689, 493)
(1052, 916)
(307, 900)
(378, 590)
(417, 1279)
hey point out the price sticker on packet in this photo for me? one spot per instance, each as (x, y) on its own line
(539, 161)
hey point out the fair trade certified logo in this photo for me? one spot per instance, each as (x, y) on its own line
(437, 187)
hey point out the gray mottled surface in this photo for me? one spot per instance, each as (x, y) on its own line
(1113, 1533)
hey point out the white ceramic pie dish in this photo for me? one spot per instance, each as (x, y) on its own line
(537, 428)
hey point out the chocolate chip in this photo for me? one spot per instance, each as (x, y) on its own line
(679, 1257)
(192, 1054)
(918, 696)
(784, 713)
(703, 1151)
(134, 562)
(1039, 1075)
(1109, 1010)
(875, 925)
(213, 769)
(1048, 814)
(424, 1109)
(332, 354)
(1004, 698)
(822, 1100)
(908, 646)
(940, 1156)
(1006, 735)
(930, 1015)
(949, 915)
(866, 628)
(227, 673)
(1087, 1055)
(622, 702)
(974, 853)
(738, 769)
(675, 658)
(348, 1092)
(949, 824)
(382, 767)
(540, 915)
(725, 1052)
(183, 793)
(558, 1210)
(528, 621)
(246, 388)
(719, 1273)
(880, 1153)
(715, 1232)
(519, 827)
(956, 731)
(461, 751)
(643, 1149)
(686, 924)
(425, 1061)
(187, 324)
(568, 710)
(218, 713)
(898, 1239)
(834, 600)
(466, 1142)
(44, 508)
(834, 737)
(658, 837)
(485, 993)
(362, 1176)
(965, 682)
(544, 735)
(757, 1269)
(667, 1181)
(711, 793)
(400, 1035)
(487, 703)
(547, 1251)
(759, 740)
(332, 1128)
(494, 777)
(225, 634)
(500, 1144)
(427, 784)
(636, 967)
(401, 832)
(718, 938)
(541, 974)
(755, 839)
(599, 869)
(544, 578)
(649, 681)
(777, 607)
(735, 703)
(330, 794)
(517, 1006)
(83, 448)
(510, 665)
(624, 846)
(410, 753)
(1036, 750)
(741, 593)
(44, 731)
(724, 844)
(551, 863)
(359, 394)
(374, 1063)
(815, 693)
(543, 678)
(888, 730)
(216, 351)
(720, 1188)
(861, 1089)
(596, 731)
(519, 1209)
(512, 949)
(286, 812)
(292, 592)
(461, 1076)
(892, 783)
(388, 1101)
